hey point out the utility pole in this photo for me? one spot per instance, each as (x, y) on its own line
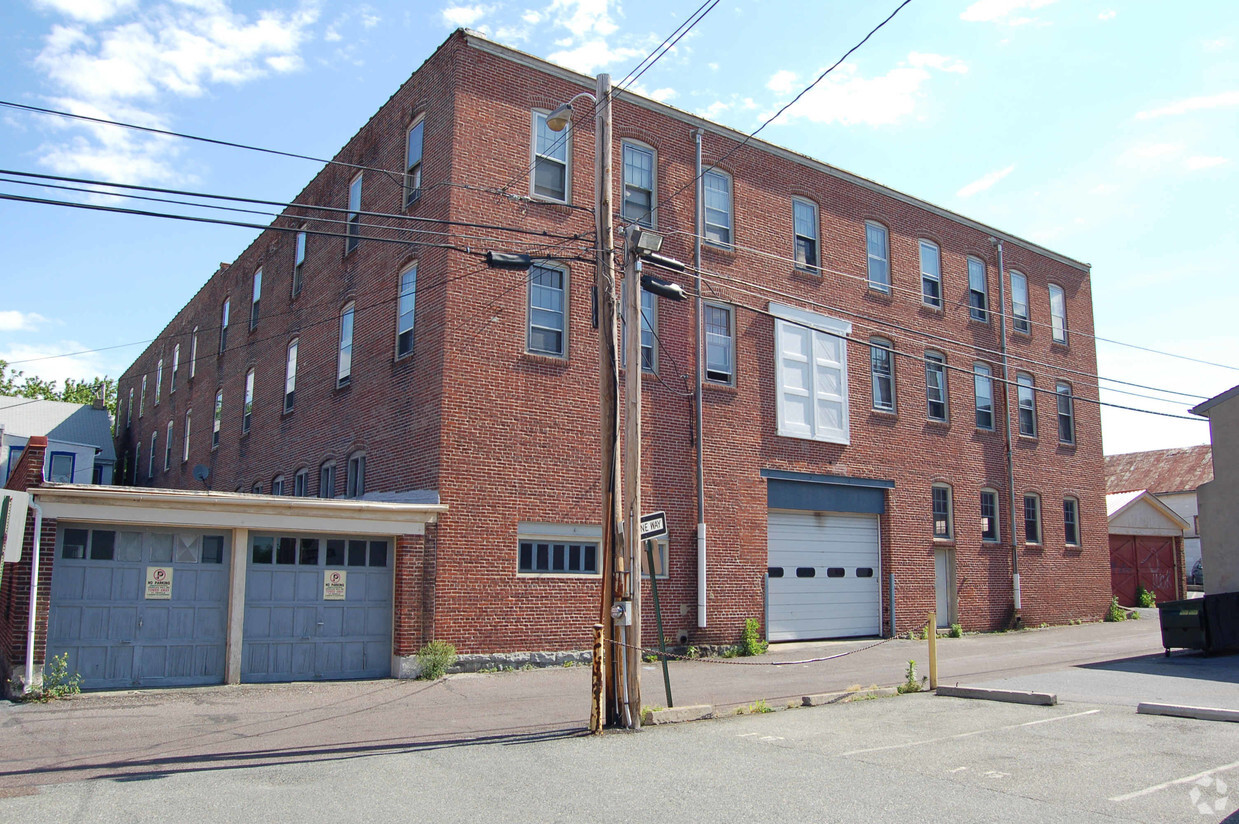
(632, 467)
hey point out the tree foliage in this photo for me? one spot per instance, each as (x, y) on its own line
(15, 383)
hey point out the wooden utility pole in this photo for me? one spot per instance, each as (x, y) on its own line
(632, 468)
(613, 585)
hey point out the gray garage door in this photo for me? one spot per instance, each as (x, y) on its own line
(140, 609)
(823, 575)
(317, 608)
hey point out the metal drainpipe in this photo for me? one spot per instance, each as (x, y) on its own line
(34, 592)
(701, 471)
(1006, 396)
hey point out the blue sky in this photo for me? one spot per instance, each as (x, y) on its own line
(1105, 130)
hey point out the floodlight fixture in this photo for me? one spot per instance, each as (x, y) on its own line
(558, 119)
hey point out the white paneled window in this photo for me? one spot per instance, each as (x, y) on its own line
(944, 517)
(548, 317)
(150, 465)
(217, 419)
(649, 329)
(804, 228)
(1066, 414)
(978, 292)
(290, 375)
(354, 215)
(404, 311)
(989, 516)
(931, 274)
(327, 480)
(878, 252)
(142, 398)
(983, 385)
(193, 354)
(1026, 394)
(639, 165)
(301, 483)
(1032, 518)
(550, 160)
(277, 485)
(176, 365)
(247, 410)
(167, 449)
(1058, 313)
(185, 449)
(882, 372)
(158, 379)
(298, 262)
(717, 186)
(255, 299)
(936, 386)
(811, 374)
(355, 483)
(129, 409)
(1019, 303)
(413, 164)
(344, 360)
(1071, 521)
(223, 325)
(720, 344)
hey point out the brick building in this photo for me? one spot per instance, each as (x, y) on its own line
(854, 413)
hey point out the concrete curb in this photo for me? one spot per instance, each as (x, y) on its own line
(824, 698)
(1180, 711)
(677, 715)
(1042, 699)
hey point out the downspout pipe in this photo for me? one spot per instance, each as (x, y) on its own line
(700, 349)
(34, 592)
(1006, 395)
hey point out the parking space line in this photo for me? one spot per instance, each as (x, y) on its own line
(969, 734)
(1188, 780)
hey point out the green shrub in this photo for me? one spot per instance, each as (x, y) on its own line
(751, 642)
(1145, 598)
(435, 658)
(911, 682)
(957, 631)
(57, 682)
(1115, 612)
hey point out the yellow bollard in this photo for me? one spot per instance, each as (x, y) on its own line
(932, 632)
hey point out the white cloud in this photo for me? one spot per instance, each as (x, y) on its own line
(88, 11)
(1005, 12)
(1192, 104)
(532, 17)
(1108, 14)
(13, 320)
(782, 82)
(661, 95)
(591, 55)
(583, 18)
(849, 98)
(1218, 44)
(984, 182)
(458, 16)
(1197, 162)
(45, 361)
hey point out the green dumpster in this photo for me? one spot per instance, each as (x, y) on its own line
(1183, 624)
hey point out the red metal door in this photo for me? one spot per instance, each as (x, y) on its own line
(1123, 579)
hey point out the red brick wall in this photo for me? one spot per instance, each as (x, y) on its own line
(505, 436)
(15, 580)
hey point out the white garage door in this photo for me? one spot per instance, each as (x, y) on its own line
(824, 579)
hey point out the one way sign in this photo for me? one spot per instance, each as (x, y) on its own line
(653, 525)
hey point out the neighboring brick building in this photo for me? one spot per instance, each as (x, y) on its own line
(490, 398)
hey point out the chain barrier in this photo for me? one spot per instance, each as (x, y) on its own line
(732, 662)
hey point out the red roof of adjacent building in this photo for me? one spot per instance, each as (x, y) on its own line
(1161, 470)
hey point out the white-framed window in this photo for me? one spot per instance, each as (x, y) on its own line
(1032, 518)
(877, 249)
(62, 466)
(327, 480)
(1026, 395)
(301, 483)
(649, 330)
(256, 489)
(718, 223)
(129, 410)
(413, 163)
(811, 375)
(150, 464)
(142, 398)
(176, 365)
(247, 409)
(548, 311)
(1066, 414)
(990, 525)
(1019, 303)
(223, 325)
(720, 343)
(640, 165)
(804, 231)
(193, 354)
(931, 274)
(355, 480)
(217, 419)
(299, 262)
(344, 359)
(277, 485)
(983, 389)
(551, 160)
(404, 311)
(290, 375)
(978, 290)
(353, 238)
(660, 559)
(255, 298)
(1071, 521)
(158, 379)
(882, 373)
(185, 439)
(944, 520)
(563, 550)
(167, 449)
(936, 400)
(1058, 313)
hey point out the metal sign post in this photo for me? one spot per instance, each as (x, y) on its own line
(654, 526)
